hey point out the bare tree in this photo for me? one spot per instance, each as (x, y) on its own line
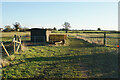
(16, 26)
(67, 26)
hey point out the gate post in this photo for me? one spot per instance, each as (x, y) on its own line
(104, 38)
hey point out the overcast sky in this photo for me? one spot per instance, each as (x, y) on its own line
(81, 15)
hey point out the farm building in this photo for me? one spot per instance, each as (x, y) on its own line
(40, 35)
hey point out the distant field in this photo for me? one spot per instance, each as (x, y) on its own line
(8, 36)
(77, 31)
(11, 34)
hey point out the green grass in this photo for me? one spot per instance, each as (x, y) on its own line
(78, 60)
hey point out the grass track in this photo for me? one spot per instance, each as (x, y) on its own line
(78, 60)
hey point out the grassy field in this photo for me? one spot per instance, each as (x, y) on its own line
(78, 31)
(79, 59)
(11, 34)
(8, 36)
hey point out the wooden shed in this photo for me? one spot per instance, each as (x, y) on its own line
(40, 35)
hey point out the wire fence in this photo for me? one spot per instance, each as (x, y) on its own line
(97, 40)
(108, 39)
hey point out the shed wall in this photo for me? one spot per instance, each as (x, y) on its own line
(40, 35)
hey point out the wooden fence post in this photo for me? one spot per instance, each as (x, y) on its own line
(104, 38)
(14, 42)
(19, 39)
(5, 49)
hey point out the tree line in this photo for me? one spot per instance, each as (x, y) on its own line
(17, 27)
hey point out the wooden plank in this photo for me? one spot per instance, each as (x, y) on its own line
(5, 49)
(18, 47)
(14, 44)
(17, 41)
(19, 38)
